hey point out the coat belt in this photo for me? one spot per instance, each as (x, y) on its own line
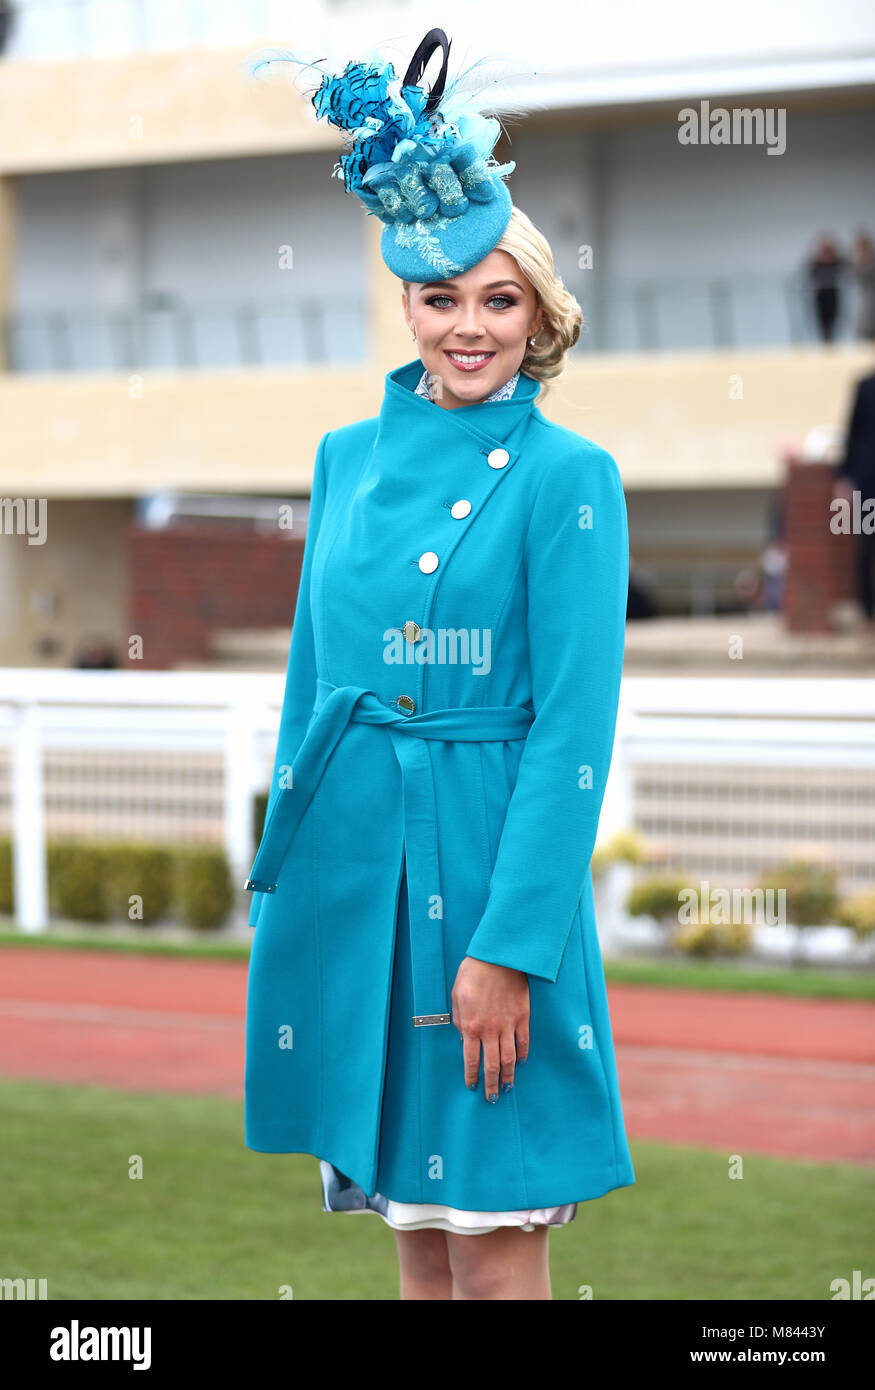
(335, 707)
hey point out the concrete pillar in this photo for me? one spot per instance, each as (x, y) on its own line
(7, 254)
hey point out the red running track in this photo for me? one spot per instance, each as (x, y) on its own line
(740, 1073)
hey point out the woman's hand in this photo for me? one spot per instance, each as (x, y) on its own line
(491, 1008)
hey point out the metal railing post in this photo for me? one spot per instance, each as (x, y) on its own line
(241, 747)
(30, 895)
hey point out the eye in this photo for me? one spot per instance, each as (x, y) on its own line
(507, 300)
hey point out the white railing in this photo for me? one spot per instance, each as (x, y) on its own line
(776, 727)
(233, 716)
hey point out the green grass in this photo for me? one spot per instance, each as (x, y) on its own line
(207, 946)
(211, 1219)
(746, 976)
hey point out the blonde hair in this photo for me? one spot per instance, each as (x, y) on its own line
(561, 315)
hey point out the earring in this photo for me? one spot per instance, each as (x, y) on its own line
(532, 341)
(414, 337)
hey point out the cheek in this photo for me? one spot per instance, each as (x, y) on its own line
(511, 331)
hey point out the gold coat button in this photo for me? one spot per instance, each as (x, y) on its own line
(460, 508)
(428, 562)
(412, 631)
(498, 458)
(405, 702)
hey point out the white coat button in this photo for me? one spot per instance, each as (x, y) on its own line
(460, 508)
(428, 562)
(411, 630)
(405, 702)
(498, 458)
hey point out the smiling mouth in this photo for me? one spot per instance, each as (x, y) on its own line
(468, 361)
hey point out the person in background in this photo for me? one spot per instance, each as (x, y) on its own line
(641, 599)
(864, 273)
(95, 655)
(857, 471)
(773, 561)
(825, 270)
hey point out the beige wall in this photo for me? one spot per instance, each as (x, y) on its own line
(145, 108)
(668, 419)
(71, 587)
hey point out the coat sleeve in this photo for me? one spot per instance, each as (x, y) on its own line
(300, 689)
(577, 577)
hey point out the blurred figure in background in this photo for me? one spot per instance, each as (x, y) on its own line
(95, 655)
(864, 272)
(773, 561)
(641, 599)
(857, 471)
(7, 19)
(825, 270)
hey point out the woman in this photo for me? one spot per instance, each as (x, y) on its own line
(445, 740)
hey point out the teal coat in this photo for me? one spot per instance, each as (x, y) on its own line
(450, 704)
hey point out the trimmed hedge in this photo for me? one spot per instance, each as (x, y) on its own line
(110, 881)
(204, 890)
(812, 901)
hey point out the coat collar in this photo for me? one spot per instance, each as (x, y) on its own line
(490, 423)
(502, 393)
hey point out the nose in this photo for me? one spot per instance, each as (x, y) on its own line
(469, 324)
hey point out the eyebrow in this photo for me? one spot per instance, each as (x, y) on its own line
(453, 285)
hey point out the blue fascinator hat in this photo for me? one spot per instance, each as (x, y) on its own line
(421, 161)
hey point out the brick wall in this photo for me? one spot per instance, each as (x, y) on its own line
(190, 580)
(820, 564)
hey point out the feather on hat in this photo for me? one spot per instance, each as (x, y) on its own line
(421, 161)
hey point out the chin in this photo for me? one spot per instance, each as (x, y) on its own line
(475, 392)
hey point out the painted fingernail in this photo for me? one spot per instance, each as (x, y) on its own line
(505, 1085)
(472, 1085)
(493, 1098)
